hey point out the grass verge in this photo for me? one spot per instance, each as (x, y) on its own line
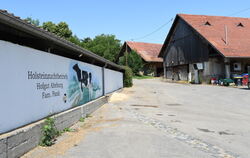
(142, 77)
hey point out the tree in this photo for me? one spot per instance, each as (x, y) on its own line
(87, 40)
(133, 60)
(74, 39)
(35, 22)
(49, 26)
(103, 45)
(61, 29)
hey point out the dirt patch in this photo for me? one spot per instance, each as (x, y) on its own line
(129, 92)
(117, 97)
(146, 106)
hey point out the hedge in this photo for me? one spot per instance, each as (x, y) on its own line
(128, 75)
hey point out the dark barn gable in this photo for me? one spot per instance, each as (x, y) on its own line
(185, 47)
(200, 47)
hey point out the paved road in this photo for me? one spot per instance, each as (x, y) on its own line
(156, 119)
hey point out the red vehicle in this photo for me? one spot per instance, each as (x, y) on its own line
(248, 83)
(245, 80)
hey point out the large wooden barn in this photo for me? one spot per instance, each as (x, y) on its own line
(200, 47)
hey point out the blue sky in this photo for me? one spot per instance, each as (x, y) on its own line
(127, 19)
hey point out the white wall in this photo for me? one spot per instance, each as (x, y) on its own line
(22, 100)
(113, 80)
(213, 67)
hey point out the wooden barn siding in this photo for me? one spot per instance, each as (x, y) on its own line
(185, 47)
(177, 72)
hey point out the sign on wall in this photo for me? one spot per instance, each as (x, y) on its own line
(35, 84)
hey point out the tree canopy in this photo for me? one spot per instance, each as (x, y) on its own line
(103, 45)
(61, 29)
(133, 60)
(35, 22)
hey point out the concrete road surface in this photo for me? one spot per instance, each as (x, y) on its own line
(155, 119)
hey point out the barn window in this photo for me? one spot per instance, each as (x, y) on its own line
(237, 66)
(207, 23)
(240, 25)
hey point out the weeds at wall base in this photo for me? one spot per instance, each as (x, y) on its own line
(49, 132)
(82, 119)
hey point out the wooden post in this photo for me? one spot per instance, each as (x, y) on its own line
(164, 70)
(126, 56)
(227, 68)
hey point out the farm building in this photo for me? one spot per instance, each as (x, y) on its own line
(43, 74)
(200, 47)
(149, 53)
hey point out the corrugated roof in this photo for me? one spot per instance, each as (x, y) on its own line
(215, 28)
(11, 20)
(148, 51)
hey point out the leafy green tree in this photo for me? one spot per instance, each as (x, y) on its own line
(49, 26)
(74, 39)
(133, 60)
(61, 29)
(35, 22)
(103, 45)
(86, 42)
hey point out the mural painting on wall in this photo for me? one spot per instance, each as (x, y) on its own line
(83, 84)
(47, 84)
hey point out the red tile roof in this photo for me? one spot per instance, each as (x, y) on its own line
(238, 33)
(148, 51)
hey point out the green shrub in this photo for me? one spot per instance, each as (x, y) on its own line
(49, 132)
(128, 75)
(67, 129)
(82, 119)
(133, 60)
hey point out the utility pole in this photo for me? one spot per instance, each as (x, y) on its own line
(126, 56)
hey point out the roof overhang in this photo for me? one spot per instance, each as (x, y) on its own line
(127, 47)
(19, 24)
